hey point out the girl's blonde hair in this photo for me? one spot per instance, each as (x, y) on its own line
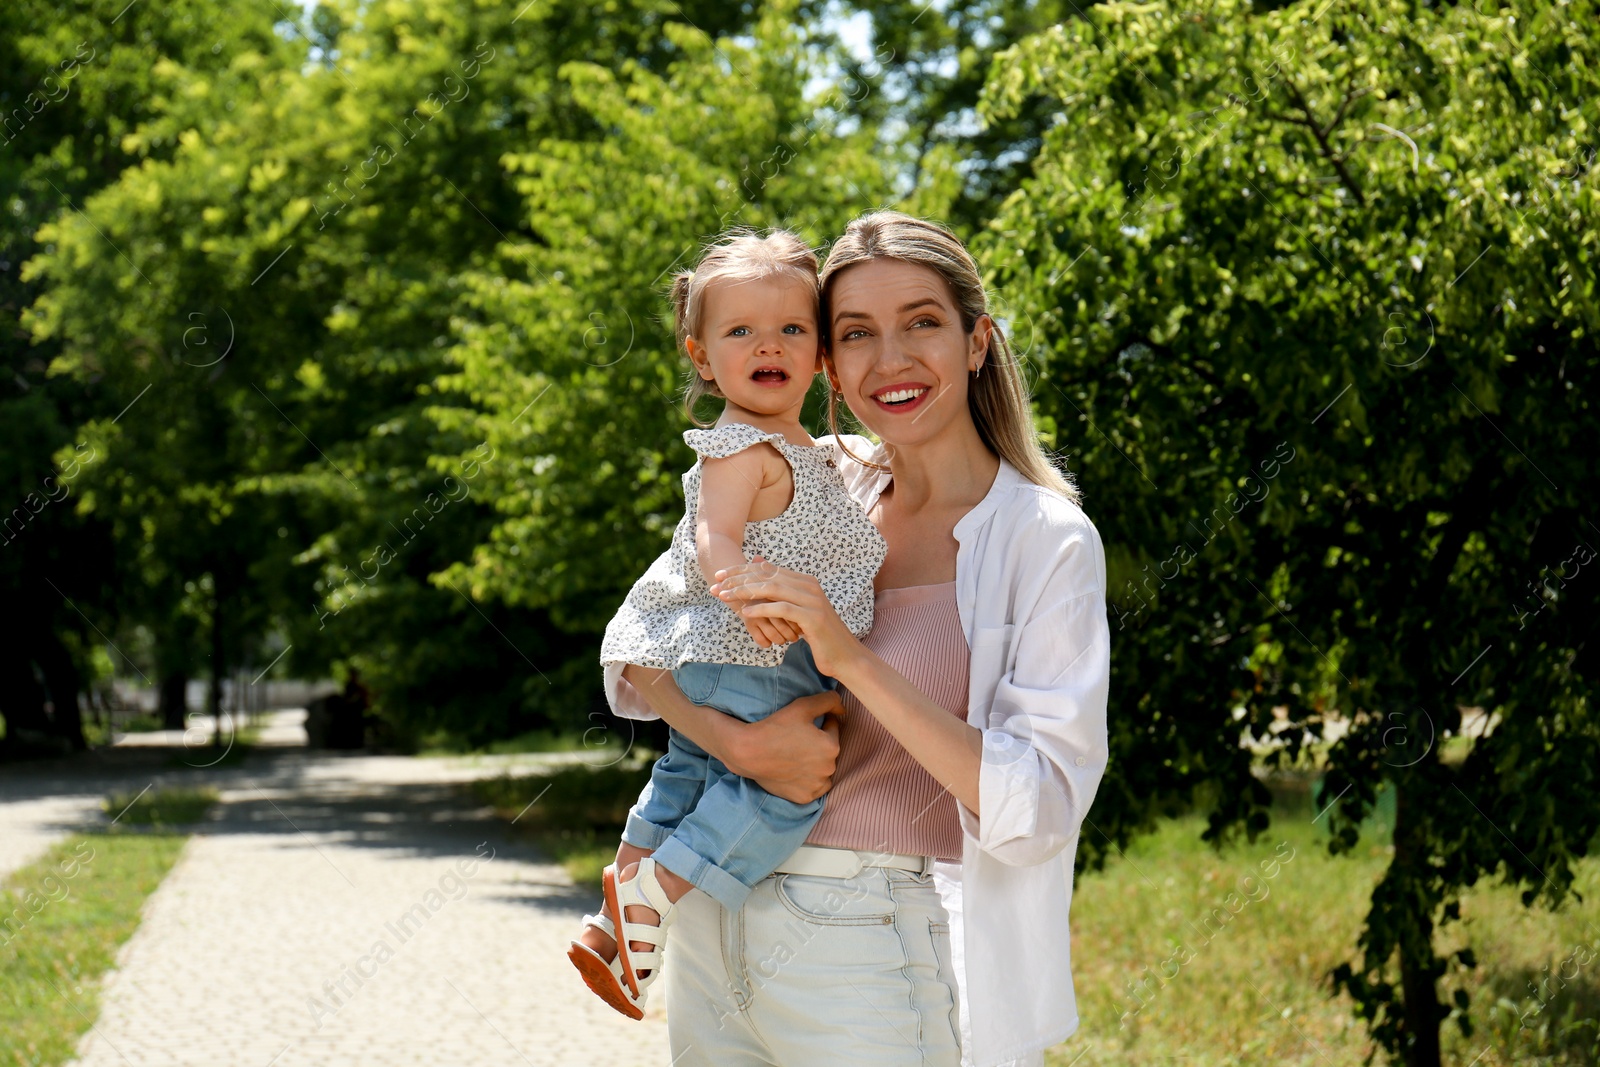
(739, 255)
(997, 398)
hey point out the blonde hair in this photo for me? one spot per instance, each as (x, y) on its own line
(998, 400)
(738, 255)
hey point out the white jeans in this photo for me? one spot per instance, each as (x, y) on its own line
(814, 970)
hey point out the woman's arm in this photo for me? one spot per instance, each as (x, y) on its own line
(1045, 745)
(950, 750)
(1034, 768)
(786, 753)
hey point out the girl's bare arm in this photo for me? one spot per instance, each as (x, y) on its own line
(728, 489)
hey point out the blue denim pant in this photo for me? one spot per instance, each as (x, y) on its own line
(721, 832)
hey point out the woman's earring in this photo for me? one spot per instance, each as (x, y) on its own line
(977, 372)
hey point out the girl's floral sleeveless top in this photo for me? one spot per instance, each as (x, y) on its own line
(669, 618)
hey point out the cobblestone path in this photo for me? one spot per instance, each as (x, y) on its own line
(345, 910)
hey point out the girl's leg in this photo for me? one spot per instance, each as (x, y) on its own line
(738, 832)
(628, 857)
(734, 832)
(676, 783)
(735, 836)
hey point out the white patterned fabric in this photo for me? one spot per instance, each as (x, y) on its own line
(669, 618)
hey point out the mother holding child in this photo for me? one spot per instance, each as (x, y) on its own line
(935, 603)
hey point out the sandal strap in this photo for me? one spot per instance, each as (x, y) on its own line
(645, 889)
(603, 923)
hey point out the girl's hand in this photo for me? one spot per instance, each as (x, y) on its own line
(769, 632)
(762, 590)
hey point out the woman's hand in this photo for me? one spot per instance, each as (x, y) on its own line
(763, 590)
(786, 754)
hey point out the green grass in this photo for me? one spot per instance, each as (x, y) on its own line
(583, 854)
(66, 914)
(575, 813)
(160, 807)
(1249, 987)
(141, 723)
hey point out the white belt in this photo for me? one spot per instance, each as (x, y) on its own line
(824, 862)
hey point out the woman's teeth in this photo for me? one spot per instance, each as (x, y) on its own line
(900, 396)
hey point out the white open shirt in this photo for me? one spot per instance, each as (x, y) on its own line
(1041, 661)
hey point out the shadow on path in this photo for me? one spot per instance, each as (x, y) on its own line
(419, 807)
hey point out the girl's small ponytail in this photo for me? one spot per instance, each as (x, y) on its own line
(680, 303)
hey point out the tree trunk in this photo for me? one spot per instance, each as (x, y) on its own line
(174, 699)
(21, 698)
(1419, 964)
(218, 669)
(61, 679)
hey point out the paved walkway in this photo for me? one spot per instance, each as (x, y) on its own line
(43, 803)
(28, 827)
(351, 910)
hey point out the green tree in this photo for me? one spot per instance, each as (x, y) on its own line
(298, 229)
(569, 369)
(923, 79)
(1313, 295)
(75, 83)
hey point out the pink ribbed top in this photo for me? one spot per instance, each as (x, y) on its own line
(882, 798)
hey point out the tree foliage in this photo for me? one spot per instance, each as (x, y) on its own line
(298, 252)
(1314, 299)
(77, 85)
(351, 330)
(571, 366)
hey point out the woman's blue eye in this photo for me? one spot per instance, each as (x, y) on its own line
(851, 335)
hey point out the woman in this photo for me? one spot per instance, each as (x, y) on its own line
(940, 874)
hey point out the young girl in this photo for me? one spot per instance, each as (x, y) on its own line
(747, 318)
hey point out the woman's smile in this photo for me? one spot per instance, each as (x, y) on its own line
(901, 397)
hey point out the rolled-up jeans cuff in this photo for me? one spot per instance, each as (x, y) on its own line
(700, 872)
(641, 833)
